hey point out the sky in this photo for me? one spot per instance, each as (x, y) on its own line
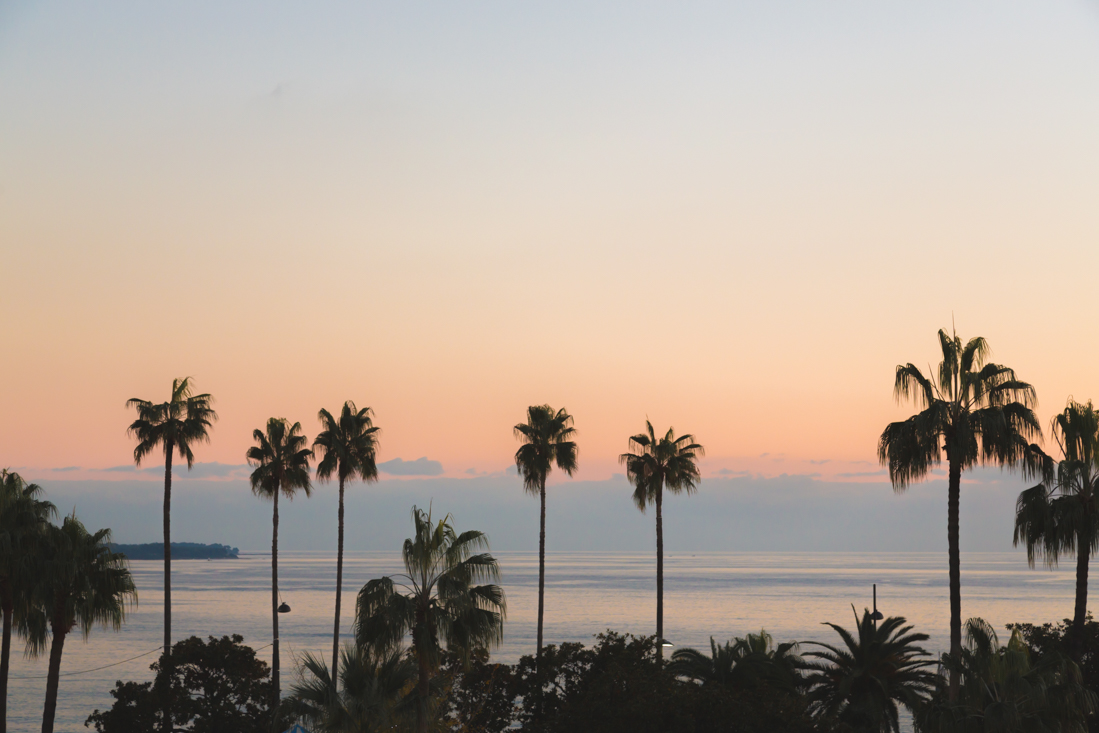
(732, 218)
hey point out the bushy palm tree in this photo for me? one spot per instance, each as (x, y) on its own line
(746, 662)
(372, 697)
(346, 447)
(972, 412)
(547, 437)
(23, 521)
(175, 426)
(435, 601)
(81, 583)
(1061, 516)
(653, 465)
(861, 682)
(281, 463)
(1003, 691)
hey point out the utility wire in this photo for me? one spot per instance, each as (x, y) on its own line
(105, 666)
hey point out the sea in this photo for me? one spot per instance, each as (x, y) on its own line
(719, 595)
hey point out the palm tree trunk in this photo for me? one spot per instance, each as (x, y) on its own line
(166, 720)
(541, 569)
(275, 599)
(53, 676)
(660, 572)
(424, 689)
(5, 651)
(954, 493)
(1083, 555)
(339, 593)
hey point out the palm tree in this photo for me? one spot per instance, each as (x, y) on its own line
(372, 698)
(861, 682)
(80, 583)
(744, 663)
(972, 412)
(346, 447)
(547, 440)
(175, 426)
(23, 519)
(1003, 690)
(1062, 516)
(651, 466)
(437, 602)
(281, 463)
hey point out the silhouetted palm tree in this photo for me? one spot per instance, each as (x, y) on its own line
(23, 524)
(972, 413)
(861, 682)
(175, 426)
(81, 583)
(653, 465)
(1062, 516)
(743, 663)
(281, 463)
(437, 602)
(346, 447)
(372, 697)
(1003, 691)
(547, 440)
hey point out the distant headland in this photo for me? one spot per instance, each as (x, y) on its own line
(180, 551)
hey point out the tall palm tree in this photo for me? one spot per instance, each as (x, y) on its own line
(346, 447)
(23, 521)
(281, 463)
(653, 465)
(547, 437)
(81, 583)
(437, 602)
(175, 426)
(861, 682)
(1062, 516)
(972, 412)
(1003, 690)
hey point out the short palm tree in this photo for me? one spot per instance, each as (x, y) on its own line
(653, 465)
(281, 463)
(372, 697)
(435, 601)
(547, 437)
(861, 682)
(175, 426)
(347, 447)
(742, 663)
(81, 583)
(23, 524)
(1002, 690)
(1061, 517)
(972, 412)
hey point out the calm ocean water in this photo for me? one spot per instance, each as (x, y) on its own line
(718, 594)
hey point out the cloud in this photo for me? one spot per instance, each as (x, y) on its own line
(213, 469)
(861, 474)
(730, 472)
(419, 467)
(67, 468)
(821, 462)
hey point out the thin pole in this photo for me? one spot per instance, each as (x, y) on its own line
(875, 616)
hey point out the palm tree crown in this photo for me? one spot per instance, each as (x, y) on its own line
(435, 600)
(861, 682)
(743, 663)
(1060, 516)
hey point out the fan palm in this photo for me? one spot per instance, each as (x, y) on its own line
(371, 699)
(176, 425)
(81, 583)
(547, 440)
(653, 465)
(1062, 516)
(281, 463)
(435, 600)
(346, 447)
(972, 412)
(1002, 690)
(878, 667)
(744, 662)
(23, 518)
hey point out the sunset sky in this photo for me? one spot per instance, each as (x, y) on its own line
(734, 218)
